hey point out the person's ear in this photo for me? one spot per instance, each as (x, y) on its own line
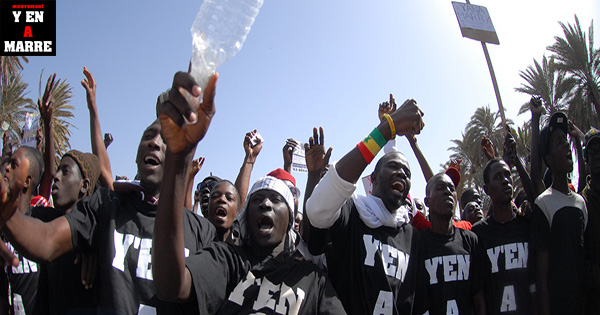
(27, 183)
(85, 186)
(426, 201)
(373, 178)
(485, 189)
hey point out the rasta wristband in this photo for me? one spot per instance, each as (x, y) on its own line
(371, 145)
(391, 123)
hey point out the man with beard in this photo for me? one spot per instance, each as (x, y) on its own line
(374, 256)
(504, 236)
(558, 222)
(118, 226)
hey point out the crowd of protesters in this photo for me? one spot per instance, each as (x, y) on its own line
(77, 241)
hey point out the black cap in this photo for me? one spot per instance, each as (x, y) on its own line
(558, 121)
(590, 135)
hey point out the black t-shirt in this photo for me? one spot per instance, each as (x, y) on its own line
(227, 280)
(60, 280)
(374, 271)
(508, 273)
(558, 224)
(22, 283)
(453, 271)
(118, 227)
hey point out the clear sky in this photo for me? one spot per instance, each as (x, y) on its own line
(305, 63)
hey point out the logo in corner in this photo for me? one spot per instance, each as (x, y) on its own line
(28, 28)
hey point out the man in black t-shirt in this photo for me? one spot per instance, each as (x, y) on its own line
(451, 256)
(509, 280)
(118, 227)
(374, 257)
(23, 170)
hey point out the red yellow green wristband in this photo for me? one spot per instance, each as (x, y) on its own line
(371, 145)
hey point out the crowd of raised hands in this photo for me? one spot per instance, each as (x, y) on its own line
(218, 247)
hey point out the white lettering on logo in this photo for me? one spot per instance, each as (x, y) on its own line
(277, 297)
(515, 256)
(384, 303)
(509, 302)
(454, 268)
(394, 261)
(143, 247)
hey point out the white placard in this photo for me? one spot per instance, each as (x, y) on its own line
(298, 159)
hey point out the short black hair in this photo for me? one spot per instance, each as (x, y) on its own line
(466, 196)
(36, 165)
(488, 169)
(381, 161)
(430, 182)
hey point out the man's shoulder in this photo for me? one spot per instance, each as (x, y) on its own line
(482, 225)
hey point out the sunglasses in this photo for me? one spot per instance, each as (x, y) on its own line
(206, 185)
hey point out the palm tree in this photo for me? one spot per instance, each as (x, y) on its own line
(13, 105)
(63, 112)
(10, 67)
(484, 122)
(548, 82)
(575, 54)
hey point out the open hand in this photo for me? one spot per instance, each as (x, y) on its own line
(196, 166)
(184, 104)
(89, 84)
(487, 147)
(387, 107)
(314, 152)
(46, 103)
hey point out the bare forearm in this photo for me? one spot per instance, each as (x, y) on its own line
(99, 149)
(242, 182)
(425, 168)
(525, 180)
(172, 279)
(49, 156)
(537, 184)
(189, 188)
(351, 166)
(39, 241)
(581, 168)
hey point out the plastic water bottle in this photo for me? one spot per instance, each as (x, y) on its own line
(219, 32)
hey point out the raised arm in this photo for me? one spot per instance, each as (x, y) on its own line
(288, 152)
(172, 279)
(317, 161)
(46, 107)
(252, 146)
(537, 185)
(408, 119)
(512, 159)
(578, 137)
(189, 186)
(425, 168)
(38, 241)
(98, 145)
(323, 207)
